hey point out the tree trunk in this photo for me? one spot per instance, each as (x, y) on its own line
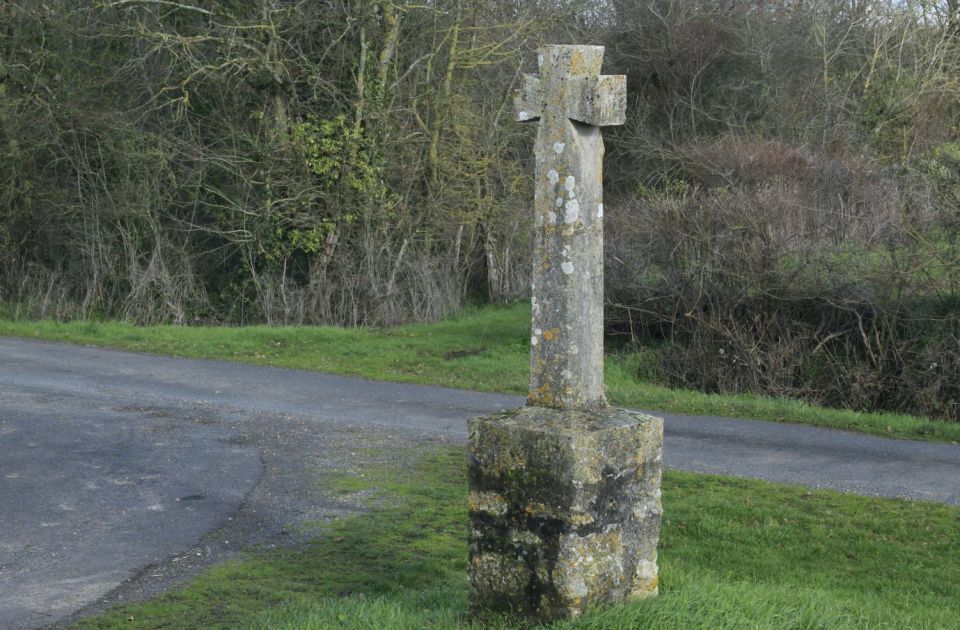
(433, 154)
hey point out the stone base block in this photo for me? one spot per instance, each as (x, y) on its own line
(564, 510)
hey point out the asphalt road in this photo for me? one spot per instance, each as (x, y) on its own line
(118, 470)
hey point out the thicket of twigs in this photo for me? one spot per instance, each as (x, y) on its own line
(260, 160)
(793, 223)
(784, 202)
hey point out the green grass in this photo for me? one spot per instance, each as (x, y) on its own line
(734, 554)
(483, 349)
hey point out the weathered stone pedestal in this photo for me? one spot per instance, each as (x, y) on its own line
(564, 510)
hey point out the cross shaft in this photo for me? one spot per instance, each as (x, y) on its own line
(571, 100)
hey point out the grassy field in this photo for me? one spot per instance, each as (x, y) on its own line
(734, 554)
(485, 349)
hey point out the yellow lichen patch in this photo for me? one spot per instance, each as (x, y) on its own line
(551, 334)
(542, 396)
(641, 460)
(579, 520)
(643, 589)
(577, 64)
(488, 502)
(537, 509)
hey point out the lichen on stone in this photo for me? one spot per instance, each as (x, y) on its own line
(573, 497)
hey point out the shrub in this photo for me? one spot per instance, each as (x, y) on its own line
(792, 274)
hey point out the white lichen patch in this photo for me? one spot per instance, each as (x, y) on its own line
(567, 267)
(574, 350)
(572, 211)
(488, 502)
(552, 218)
(533, 341)
(600, 211)
(565, 252)
(553, 177)
(558, 147)
(643, 509)
(646, 569)
(523, 116)
(559, 202)
(538, 332)
(570, 183)
(528, 539)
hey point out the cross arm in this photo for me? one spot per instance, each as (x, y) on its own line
(599, 101)
(527, 104)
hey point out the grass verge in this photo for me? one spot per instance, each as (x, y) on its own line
(484, 349)
(734, 554)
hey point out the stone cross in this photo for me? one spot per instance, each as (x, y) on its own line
(572, 101)
(564, 501)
